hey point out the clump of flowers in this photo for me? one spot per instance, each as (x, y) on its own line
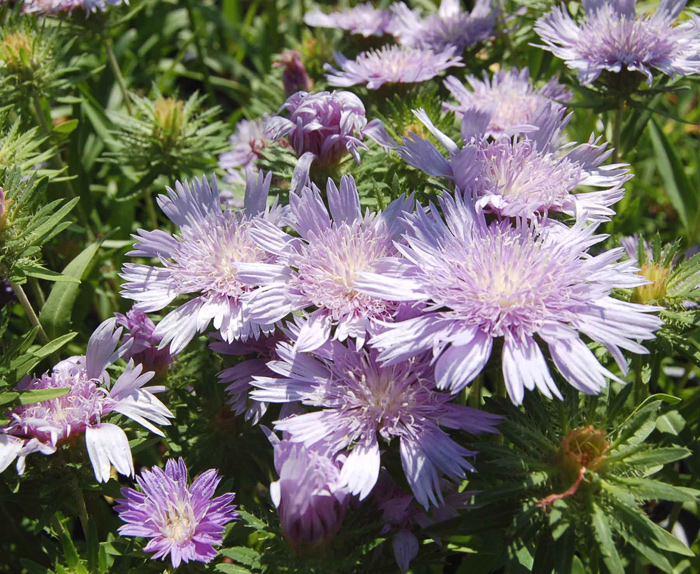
(183, 521)
(363, 19)
(510, 97)
(44, 426)
(246, 145)
(201, 260)
(612, 37)
(360, 400)
(450, 27)
(482, 282)
(391, 65)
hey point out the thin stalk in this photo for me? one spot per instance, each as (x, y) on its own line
(116, 70)
(29, 310)
(617, 129)
(80, 501)
(151, 209)
(36, 291)
(200, 49)
(506, 35)
(640, 390)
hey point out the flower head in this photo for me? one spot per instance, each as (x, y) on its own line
(318, 269)
(363, 19)
(483, 282)
(143, 346)
(182, 520)
(615, 38)
(450, 27)
(42, 427)
(62, 6)
(201, 261)
(360, 400)
(391, 65)
(509, 96)
(309, 495)
(523, 176)
(246, 143)
(294, 76)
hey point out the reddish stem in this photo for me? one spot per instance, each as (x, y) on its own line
(552, 498)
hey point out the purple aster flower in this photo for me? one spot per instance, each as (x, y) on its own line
(143, 347)
(510, 282)
(360, 399)
(60, 6)
(363, 19)
(449, 28)
(309, 495)
(509, 96)
(42, 427)
(614, 37)
(318, 269)
(294, 77)
(523, 176)
(182, 520)
(391, 65)
(201, 261)
(247, 144)
(324, 126)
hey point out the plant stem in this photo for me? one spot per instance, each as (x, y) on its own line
(617, 130)
(116, 70)
(36, 290)
(151, 208)
(80, 501)
(200, 49)
(29, 310)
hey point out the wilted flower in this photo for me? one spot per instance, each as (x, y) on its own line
(143, 347)
(509, 96)
(246, 145)
(324, 126)
(361, 398)
(391, 65)
(615, 38)
(318, 270)
(183, 520)
(42, 427)
(201, 260)
(363, 19)
(294, 76)
(523, 176)
(449, 28)
(510, 282)
(309, 495)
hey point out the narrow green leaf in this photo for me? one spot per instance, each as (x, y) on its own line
(39, 395)
(66, 127)
(649, 489)
(657, 456)
(232, 569)
(603, 534)
(34, 270)
(54, 345)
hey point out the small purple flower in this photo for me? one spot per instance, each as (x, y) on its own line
(61, 6)
(360, 399)
(144, 346)
(449, 28)
(318, 270)
(42, 427)
(481, 282)
(523, 176)
(391, 65)
(309, 495)
(247, 144)
(614, 37)
(363, 19)
(294, 77)
(201, 260)
(182, 520)
(324, 127)
(509, 96)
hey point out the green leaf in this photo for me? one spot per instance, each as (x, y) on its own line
(242, 554)
(649, 489)
(34, 270)
(8, 397)
(252, 520)
(657, 456)
(603, 534)
(639, 425)
(232, 569)
(671, 423)
(39, 395)
(56, 313)
(66, 127)
(54, 345)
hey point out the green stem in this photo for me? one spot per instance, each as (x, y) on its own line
(506, 35)
(640, 390)
(80, 501)
(200, 48)
(36, 290)
(29, 310)
(151, 209)
(617, 130)
(116, 70)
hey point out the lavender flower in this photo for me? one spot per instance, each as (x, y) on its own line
(182, 520)
(47, 7)
(324, 126)
(201, 260)
(294, 77)
(391, 65)
(143, 347)
(509, 96)
(361, 398)
(247, 143)
(614, 37)
(318, 269)
(42, 427)
(449, 28)
(363, 19)
(309, 495)
(483, 282)
(526, 176)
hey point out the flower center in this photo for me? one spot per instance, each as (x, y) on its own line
(656, 290)
(180, 522)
